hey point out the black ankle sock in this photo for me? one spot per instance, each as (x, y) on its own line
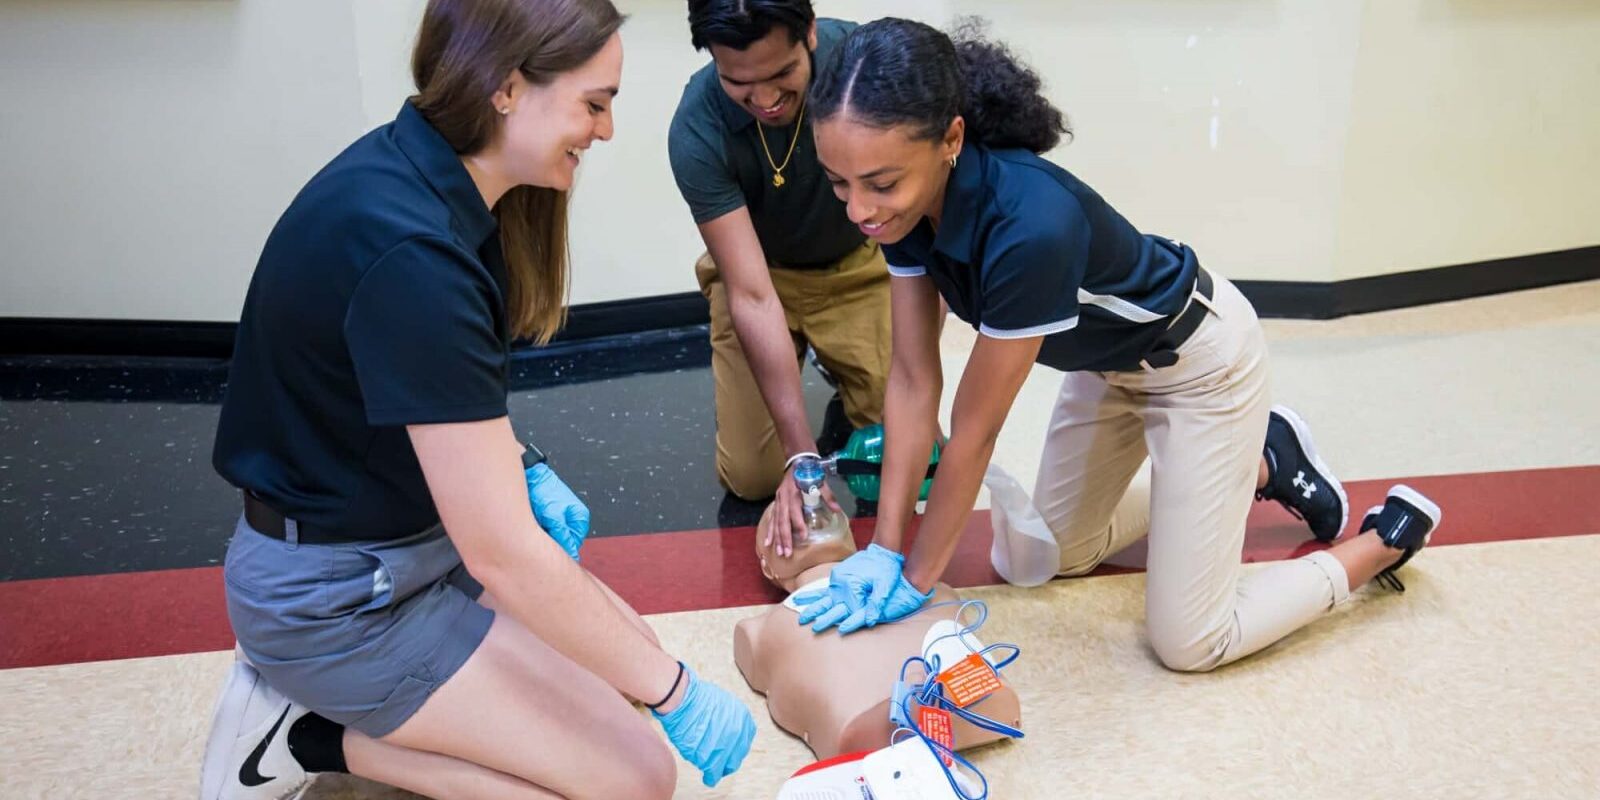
(318, 744)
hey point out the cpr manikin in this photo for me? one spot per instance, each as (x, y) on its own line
(832, 690)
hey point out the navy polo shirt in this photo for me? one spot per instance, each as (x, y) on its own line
(1025, 249)
(378, 302)
(717, 158)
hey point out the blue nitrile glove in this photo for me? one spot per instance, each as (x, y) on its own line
(858, 592)
(711, 729)
(902, 600)
(558, 510)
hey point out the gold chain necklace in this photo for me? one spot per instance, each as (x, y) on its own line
(777, 169)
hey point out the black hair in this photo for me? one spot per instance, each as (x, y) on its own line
(898, 72)
(741, 23)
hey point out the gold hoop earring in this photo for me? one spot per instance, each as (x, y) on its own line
(953, 161)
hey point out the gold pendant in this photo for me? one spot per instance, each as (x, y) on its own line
(777, 181)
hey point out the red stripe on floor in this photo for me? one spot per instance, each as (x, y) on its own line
(132, 615)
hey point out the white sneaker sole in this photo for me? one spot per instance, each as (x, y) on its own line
(227, 717)
(1303, 433)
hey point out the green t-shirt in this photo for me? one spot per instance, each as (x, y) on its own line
(718, 162)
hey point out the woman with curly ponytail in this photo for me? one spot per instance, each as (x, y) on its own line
(934, 146)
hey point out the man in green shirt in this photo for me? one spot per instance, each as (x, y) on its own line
(784, 268)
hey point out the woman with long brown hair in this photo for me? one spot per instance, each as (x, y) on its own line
(403, 581)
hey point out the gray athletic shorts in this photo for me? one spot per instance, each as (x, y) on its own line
(360, 633)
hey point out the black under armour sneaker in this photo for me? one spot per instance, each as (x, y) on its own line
(1405, 521)
(247, 756)
(1297, 478)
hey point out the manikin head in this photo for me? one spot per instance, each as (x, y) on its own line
(813, 557)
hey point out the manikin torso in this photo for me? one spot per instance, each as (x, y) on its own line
(831, 690)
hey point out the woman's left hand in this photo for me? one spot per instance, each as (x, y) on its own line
(558, 510)
(710, 728)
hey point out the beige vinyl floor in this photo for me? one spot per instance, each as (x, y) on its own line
(1480, 681)
(1483, 680)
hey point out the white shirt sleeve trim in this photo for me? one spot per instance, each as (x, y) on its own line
(1118, 306)
(907, 272)
(1037, 330)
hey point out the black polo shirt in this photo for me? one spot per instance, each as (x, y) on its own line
(1025, 249)
(378, 302)
(716, 155)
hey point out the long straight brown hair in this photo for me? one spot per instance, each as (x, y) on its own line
(465, 50)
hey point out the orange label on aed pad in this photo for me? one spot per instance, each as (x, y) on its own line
(935, 724)
(970, 680)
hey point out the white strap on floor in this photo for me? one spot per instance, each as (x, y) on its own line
(1024, 552)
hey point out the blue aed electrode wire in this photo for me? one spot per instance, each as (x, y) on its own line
(930, 692)
(933, 692)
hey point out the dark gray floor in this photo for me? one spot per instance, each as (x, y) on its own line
(106, 466)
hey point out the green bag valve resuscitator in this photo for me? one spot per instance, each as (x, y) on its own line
(860, 463)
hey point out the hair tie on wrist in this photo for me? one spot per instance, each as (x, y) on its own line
(675, 682)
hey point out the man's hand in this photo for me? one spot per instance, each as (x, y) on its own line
(788, 520)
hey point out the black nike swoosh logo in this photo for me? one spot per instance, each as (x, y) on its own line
(250, 774)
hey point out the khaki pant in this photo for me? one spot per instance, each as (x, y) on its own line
(1201, 423)
(842, 311)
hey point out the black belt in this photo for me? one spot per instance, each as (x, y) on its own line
(1164, 353)
(268, 522)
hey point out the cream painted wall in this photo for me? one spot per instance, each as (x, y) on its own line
(149, 145)
(386, 31)
(1221, 123)
(1475, 134)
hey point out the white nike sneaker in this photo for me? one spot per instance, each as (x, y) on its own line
(247, 756)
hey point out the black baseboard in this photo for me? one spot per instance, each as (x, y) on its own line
(592, 321)
(1307, 300)
(157, 339)
(638, 315)
(115, 337)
